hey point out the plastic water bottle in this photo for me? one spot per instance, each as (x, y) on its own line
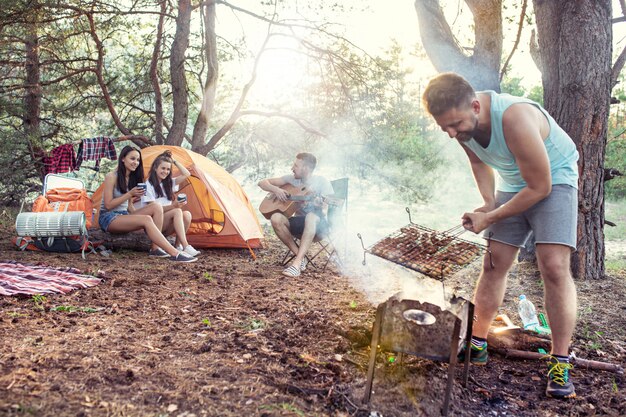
(527, 313)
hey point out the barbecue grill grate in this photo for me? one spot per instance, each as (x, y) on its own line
(427, 251)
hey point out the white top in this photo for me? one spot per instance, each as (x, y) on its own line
(150, 196)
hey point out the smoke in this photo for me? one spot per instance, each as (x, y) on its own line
(375, 212)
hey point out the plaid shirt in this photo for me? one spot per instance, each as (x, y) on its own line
(16, 278)
(61, 159)
(94, 149)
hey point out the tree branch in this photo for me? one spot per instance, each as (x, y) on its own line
(517, 39)
(617, 67)
(535, 53)
(99, 74)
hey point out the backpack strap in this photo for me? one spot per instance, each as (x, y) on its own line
(22, 242)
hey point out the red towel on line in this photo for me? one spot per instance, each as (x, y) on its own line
(16, 278)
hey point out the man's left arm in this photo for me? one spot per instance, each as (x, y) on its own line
(522, 131)
(326, 190)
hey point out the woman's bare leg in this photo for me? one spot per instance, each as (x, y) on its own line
(187, 220)
(175, 224)
(155, 211)
(131, 222)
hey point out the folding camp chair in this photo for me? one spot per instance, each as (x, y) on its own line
(337, 221)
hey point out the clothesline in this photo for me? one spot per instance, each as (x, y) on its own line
(64, 159)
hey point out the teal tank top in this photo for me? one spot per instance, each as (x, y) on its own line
(561, 149)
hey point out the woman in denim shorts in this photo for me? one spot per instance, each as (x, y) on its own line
(118, 214)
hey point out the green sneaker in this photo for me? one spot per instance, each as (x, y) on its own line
(559, 385)
(477, 356)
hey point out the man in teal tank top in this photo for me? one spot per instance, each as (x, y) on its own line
(535, 192)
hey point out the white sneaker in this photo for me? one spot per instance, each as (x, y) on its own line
(179, 247)
(190, 250)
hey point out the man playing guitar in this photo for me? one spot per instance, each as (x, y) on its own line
(310, 218)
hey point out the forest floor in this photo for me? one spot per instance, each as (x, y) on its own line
(230, 336)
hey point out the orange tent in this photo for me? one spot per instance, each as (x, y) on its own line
(222, 216)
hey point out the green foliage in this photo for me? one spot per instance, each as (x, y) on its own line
(39, 301)
(372, 108)
(514, 87)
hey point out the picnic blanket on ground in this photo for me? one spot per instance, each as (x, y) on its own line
(17, 278)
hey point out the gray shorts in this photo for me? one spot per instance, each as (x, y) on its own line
(553, 220)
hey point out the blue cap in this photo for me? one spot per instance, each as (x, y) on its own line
(522, 297)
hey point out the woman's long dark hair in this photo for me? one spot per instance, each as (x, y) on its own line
(135, 177)
(167, 181)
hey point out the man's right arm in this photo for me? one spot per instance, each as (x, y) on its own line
(485, 180)
(273, 185)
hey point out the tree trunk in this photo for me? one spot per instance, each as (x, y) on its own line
(482, 68)
(32, 97)
(154, 78)
(210, 85)
(177, 72)
(575, 44)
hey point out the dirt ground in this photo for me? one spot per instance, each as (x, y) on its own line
(230, 336)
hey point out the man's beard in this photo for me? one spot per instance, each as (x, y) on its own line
(467, 135)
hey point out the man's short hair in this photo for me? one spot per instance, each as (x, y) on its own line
(308, 158)
(445, 92)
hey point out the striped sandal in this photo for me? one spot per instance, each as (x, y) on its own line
(291, 271)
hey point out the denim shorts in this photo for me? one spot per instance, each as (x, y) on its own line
(553, 220)
(106, 217)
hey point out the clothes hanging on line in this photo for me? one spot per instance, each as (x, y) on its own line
(62, 159)
(94, 149)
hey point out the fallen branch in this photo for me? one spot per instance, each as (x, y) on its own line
(582, 363)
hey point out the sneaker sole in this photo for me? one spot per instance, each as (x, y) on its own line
(562, 397)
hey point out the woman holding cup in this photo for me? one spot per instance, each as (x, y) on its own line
(160, 191)
(118, 213)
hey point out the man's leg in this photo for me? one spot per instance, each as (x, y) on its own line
(280, 223)
(491, 286)
(560, 303)
(559, 294)
(310, 227)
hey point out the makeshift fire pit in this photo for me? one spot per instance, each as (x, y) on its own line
(427, 251)
(405, 325)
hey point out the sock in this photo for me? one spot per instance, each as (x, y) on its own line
(562, 359)
(478, 343)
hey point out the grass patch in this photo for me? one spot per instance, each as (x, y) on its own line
(283, 407)
(615, 211)
(615, 265)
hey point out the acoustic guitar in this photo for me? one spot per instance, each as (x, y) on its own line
(296, 196)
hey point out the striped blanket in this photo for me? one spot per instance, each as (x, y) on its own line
(16, 278)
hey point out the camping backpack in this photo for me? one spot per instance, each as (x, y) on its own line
(58, 223)
(65, 199)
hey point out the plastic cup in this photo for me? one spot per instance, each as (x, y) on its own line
(143, 186)
(182, 197)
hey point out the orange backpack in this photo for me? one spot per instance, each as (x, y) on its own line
(65, 199)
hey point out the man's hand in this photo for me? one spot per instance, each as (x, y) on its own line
(318, 202)
(475, 222)
(281, 194)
